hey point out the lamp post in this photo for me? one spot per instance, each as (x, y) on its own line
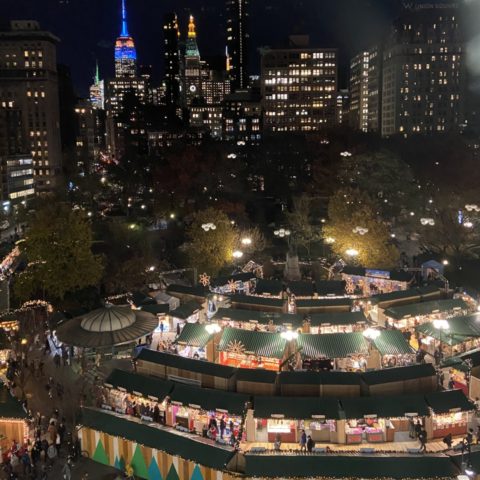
(441, 325)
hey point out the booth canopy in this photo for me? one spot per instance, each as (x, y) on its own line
(413, 294)
(209, 399)
(399, 374)
(194, 334)
(392, 342)
(186, 310)
(252, 300)
(449, 401)
(264, 344)
(10, 407)
(133, 382)
(459, 329)
(296, 407)
(319, 378)
(425, 308)
(332, 345)
(384, 407)
(172, 442)
(239, 315)
(337, 318)
(156, 309)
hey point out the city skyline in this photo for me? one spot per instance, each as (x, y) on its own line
(96, 26)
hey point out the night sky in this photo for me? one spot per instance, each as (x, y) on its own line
(88, 28)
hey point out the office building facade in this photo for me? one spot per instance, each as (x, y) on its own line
(237, 41)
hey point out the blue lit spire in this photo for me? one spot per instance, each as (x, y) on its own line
(124, 20)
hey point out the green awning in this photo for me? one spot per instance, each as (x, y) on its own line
(189, 447)
(263, 318)
(301, 408)
(256, 375)
(449, 401)
(472, 355)
(350, 466)
(332, 345)
(182, 363)
(194, 334)
(252, 300)
(10, 407)
(339, 304)
(186, 310)
(156, 309)
(425, 308)
(134, 382)
(459, 329)
(319, 378)
(264, 344)
(302, 289)
(392, 342)
(454, 362)
(269, 287)
(384, 407)
(209, 399)
(403, 296)
(197, 291)
(337, 318)
(399, 374)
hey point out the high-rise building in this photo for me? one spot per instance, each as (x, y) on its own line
(85, 137)
(375, 60)
(28, 78)
(299, 86)
(125, 52)
(423, 72)
(171, 34)
(97, 91)
(237, 41)
(359, 95)
(342, 107)
(242, 117)
(192, 77)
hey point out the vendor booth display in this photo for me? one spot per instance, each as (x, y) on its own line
(186, 313)
(393, 348)
(194, 340)
(367, 282)
(382, 419)
(13, 421)
(251, 349)
(236, 283)
(347, 351)
(452, 412)
(284, 418)
(407, 316)
(455, 334)
(112, 328)
(336, 322)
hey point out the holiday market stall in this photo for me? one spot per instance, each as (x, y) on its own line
(186, 313)
(381, 419)
(195, 341)
(376, 305)
(186, 370)
(251, 349)
(198, 293)
(452, 413)
(13, 421)
(367, 282)
(135, 395)
(455, 335)
(204, 411)
(408, 316)
(392, 346)
(236, 283)
(257, 382)
(286, 417)
(344, 351)
(335, 322)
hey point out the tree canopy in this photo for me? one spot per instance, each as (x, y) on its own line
(209, 251)
(58, 250)
(349, 209)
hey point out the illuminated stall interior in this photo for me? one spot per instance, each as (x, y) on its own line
(194, 340)
(13, 421)
(251, 349)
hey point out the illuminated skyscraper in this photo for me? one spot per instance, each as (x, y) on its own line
(97, 91)
(125, 53)
(237, 41)
(171, 34)
(193, 66)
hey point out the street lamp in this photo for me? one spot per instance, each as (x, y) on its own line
(209, 226)
(468, 224)
(237, 254)
(360, 230)
(351, 252)
(345, 154)
(289, 335)
(329, 240)
(246, 241)
(282, 232)
(213, 328)
(427, 221)
(371, 333)
(445, 262)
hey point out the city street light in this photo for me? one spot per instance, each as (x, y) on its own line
(209, 226)
(441, 324)
(445, 262)
(213, 328)
(282, 232)
(371, 333)
(246, 241)
(237, 254)
(329, 240)
(351, 252)
(289, 335)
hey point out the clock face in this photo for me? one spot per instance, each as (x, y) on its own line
(193, 88)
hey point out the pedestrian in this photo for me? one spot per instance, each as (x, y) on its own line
(26, 463)
(56, 360)
(67, 470)
(223, 426)
(278, 443)
(448, 440)
(423, 441)
(418, 428)
(303, 442)
(451, 384)
(162, 328)
(40, 367)
(58, 443)
(310, 444)
(51, 454)
(411, 428)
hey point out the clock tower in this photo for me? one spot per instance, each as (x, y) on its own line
(193, 66)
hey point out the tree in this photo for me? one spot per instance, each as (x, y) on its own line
(58, 250)
(209, 251)
(349, 209)
(300, 221)
(383, 176)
